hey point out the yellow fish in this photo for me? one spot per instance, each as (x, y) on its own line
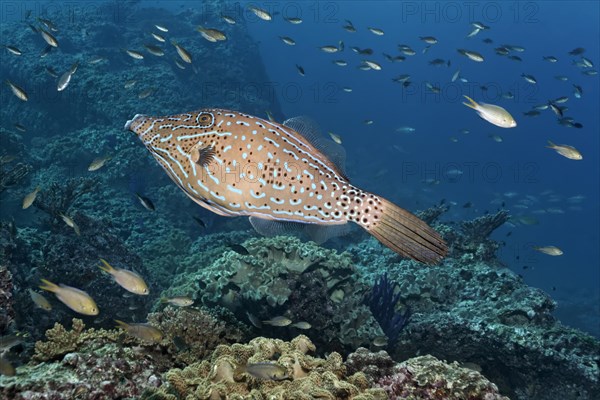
(128, 280)
(145, 332)
(77, 300)
(40, 300)
(30, 198)
(235, 164)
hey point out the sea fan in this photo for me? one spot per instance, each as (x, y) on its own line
(382, 301)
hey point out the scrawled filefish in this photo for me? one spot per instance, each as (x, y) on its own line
(236, 164)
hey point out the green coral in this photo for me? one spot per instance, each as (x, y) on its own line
(222, 375)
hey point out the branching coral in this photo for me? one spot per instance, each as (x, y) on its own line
(61, 341)
(472, 241)
(480, 228)
(432, 214)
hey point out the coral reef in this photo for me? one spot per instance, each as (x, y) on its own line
(60, 341)
(195, 333)
(426, 377)
(283, 276)
(7, 312)
(374, 365)
(482, 313)
(222, 375)
(383, 303)
(85, 363)
(423, 377)
(58, 197)
(471, 242)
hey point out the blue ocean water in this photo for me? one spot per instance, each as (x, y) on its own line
(449, 155)
(519, 170)
(438, 161)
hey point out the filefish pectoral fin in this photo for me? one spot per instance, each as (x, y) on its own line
(202, 155)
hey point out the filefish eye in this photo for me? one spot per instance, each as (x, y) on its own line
(205, 120)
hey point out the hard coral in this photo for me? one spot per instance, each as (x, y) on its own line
(61, 341)
(427, 377)
(222, 376)
(194, 333)
(284, 276)
(7, 313)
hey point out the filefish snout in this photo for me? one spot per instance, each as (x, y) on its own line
(136, 124)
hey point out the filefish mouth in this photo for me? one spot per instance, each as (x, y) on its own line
(134, 123)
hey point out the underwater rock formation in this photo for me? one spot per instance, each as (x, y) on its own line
(482, 313)
(472, 242)
(84, 363)
(428, 378)
(7, 312)
(284, 276)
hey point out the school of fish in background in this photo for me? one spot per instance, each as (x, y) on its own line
(361, 58)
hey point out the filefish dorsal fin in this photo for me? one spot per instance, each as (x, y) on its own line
(203, 155)
(310, 131)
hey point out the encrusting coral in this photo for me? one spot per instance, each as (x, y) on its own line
(426, 377)
(223, 376)
(283, 276)
(195, 333)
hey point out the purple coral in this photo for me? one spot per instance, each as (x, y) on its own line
(382, 301)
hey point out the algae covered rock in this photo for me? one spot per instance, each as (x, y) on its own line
(224, 376)
(284, 276)
(426, 377)
(194, 333)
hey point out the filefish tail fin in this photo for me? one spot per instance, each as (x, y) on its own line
(49, 286)
(473, 104)
(550, 145)
(405, 234)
